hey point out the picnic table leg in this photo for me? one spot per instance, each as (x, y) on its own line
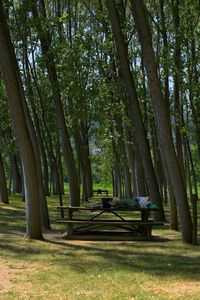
(69, 225)
(69, 229)
(145, 229)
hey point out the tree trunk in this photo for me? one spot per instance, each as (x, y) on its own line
(165, 55)
(3, 187)
(89, 175)
(193, 78)
(117, 173)
(16, 176)
(131, 159)
(139, 175)
(15, 101)
(161, 118)
(177, 85)
(158, 166)
(61, 175)
(173, 207)
(88, 164)
(125, 167)
(56, 186)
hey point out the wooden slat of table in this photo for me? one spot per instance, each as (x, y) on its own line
(106, 209)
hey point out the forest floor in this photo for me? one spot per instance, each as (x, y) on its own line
(161, 269)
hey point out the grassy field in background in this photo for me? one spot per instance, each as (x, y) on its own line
(104, 186)
(62, 269)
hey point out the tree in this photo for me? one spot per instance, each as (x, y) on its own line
(15, 101)
(3, 186)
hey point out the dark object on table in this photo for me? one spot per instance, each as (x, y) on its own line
(106, 202)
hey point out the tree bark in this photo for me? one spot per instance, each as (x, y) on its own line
(193, 78)
(3, 186)
(131, 158)
(125, 166)
(117, 173)
(177, 85)
(165, 55)
(16, 176)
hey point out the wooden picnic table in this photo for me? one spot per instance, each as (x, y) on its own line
(100, 192)
(78, 221)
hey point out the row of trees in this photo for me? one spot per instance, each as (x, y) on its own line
(120, 76)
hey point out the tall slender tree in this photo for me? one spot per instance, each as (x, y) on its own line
(15, 101)
(3, 186)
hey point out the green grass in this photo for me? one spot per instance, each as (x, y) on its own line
(63, 269)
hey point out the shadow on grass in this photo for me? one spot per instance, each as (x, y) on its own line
(133, 257)
(160, 258)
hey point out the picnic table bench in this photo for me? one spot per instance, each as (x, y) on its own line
(100, 192)
(80, 220)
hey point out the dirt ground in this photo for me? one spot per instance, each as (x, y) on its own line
(5, 276)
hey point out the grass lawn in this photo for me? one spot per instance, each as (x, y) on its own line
(62, 269)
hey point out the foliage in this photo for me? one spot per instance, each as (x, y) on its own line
(82, 44)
